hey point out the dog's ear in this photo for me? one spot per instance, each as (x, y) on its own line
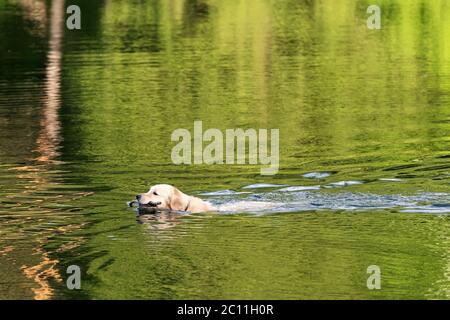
(178, 200)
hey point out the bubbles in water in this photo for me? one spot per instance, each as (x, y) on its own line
(222, 193)
(316, 175)
(263, 185)
(303, 198)
(299, 188)
(345, 183)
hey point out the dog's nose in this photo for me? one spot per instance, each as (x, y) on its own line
(138, 197)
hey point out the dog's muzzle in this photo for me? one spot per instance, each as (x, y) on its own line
(150, 203)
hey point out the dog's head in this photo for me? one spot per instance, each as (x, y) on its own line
(164, 196)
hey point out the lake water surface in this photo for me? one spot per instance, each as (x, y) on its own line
(364, 116)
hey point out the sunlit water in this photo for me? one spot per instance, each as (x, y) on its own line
(364, 118)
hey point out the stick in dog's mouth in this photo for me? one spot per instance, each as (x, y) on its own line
(150, 204)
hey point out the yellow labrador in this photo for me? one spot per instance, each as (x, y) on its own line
(167, 197)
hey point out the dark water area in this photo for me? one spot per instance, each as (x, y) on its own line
(86, 118)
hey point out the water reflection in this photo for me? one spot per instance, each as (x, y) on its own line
(35, 12)
(370, 109)
(159, 220)
(32, 198)
(50, 138)
(47, 146)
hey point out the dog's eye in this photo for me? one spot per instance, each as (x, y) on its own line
(155, 193)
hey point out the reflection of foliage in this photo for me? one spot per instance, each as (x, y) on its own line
(345, 98)
(311, 68)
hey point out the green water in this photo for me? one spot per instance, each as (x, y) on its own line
(86, 118)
